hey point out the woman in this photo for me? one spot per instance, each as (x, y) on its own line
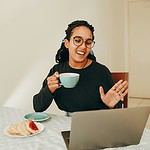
(95, 89)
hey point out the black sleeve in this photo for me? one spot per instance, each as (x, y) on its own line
(119, 104)
(43, 99)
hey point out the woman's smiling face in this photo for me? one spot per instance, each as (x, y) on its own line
(79, 44)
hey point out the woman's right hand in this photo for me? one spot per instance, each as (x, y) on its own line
(53, 82)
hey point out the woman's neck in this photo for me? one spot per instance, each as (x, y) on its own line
(80, 65)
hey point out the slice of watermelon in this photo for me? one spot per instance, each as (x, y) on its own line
(33, 126)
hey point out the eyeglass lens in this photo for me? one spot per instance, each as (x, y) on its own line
(78, 41)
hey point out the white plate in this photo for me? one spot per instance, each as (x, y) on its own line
(39, 125)
(37, 116)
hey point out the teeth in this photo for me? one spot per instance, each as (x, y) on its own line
(81, 53)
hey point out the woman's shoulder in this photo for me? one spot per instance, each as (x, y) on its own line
(100, 66)
(59, 67)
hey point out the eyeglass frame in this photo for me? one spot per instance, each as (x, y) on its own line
(84, 41)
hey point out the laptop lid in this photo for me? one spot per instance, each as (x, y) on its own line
(92, 130)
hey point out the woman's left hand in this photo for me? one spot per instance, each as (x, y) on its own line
(115, 94)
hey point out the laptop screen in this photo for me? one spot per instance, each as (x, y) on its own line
(107, 128)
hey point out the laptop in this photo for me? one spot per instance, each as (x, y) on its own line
(91, 130)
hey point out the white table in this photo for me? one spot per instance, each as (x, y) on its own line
(50, 138)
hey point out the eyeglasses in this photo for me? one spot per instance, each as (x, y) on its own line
(78, 41)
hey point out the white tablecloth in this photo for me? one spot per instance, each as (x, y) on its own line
(50, 138)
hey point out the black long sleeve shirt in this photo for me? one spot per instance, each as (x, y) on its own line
(85, 96)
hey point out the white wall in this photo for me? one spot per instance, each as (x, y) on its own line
(139, 48)
(31, 32)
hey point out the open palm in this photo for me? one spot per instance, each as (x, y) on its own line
(115, 94)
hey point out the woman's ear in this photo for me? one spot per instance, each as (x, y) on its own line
(66, 43)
